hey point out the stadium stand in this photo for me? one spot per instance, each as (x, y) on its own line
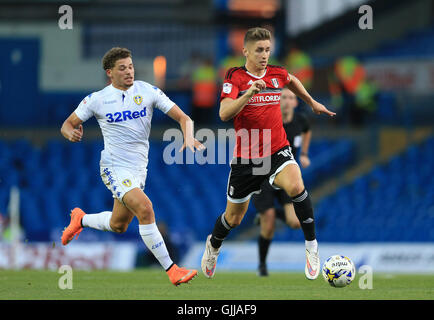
(417, 43)
(185, 196)
(392, 202)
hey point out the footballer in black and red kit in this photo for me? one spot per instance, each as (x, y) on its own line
(251, 98)
(261, 114)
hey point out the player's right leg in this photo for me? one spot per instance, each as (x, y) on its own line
(242, 184)
(231, 218)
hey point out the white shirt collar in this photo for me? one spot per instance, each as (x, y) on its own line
(252, 75)
(123, 92)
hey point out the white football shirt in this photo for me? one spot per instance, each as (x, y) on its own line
(125, 121)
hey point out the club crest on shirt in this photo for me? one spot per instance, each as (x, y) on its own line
(138, 99)
(127, 183)
(275, 82)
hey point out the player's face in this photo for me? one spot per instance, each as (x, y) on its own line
(288, 101)
(257, 53)
(122, 74)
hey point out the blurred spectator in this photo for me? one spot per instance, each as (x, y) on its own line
(231, 60)
(6, 232)
(299, 64)
(204, 88)
(350, 91)
(187, 69)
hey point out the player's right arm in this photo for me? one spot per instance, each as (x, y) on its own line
(72, 128)
(230, 107)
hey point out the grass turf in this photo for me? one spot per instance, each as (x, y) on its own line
(150, 284)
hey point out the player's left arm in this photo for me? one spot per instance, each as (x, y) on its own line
(297, 87)
(186, 125)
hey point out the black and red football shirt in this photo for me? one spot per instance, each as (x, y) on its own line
(259, 128)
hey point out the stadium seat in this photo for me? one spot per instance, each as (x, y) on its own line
(386, 204)
(192, 202)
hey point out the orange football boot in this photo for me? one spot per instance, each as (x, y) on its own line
(179, 275)
(74, 228)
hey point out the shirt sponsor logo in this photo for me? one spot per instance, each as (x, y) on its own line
(125, 115)
(265, 98)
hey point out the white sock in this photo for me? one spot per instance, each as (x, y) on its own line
(99, 221)
(154, 241)
(311, 245)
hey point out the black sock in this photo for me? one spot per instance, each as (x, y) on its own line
(263, 245)
(221, 230)
(304, 212)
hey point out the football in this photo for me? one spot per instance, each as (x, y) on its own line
(339, 271)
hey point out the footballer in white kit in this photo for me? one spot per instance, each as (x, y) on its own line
(125, 121)
(124, 111)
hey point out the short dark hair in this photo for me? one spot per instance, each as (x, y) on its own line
(257, 34)
(113, 55)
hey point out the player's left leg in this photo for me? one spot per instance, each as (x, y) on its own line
(116, 221)
(290, 179)
(141, 206)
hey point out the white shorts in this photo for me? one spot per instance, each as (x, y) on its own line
(120, 180)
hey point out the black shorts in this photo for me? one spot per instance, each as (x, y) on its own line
(247, 175)
(265, 200)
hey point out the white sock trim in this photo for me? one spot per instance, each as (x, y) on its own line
(311, 245)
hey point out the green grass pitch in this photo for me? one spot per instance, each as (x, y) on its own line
(150, 284)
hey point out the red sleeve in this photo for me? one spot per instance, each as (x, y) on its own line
(286, 77)
(230, 88)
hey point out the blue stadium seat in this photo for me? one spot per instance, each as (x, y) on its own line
(187, 197)
(389, 203)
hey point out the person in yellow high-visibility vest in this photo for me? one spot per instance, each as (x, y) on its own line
(204, 89)
(299, 64)
(349, 87)
(230, 61)
(350, 73)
